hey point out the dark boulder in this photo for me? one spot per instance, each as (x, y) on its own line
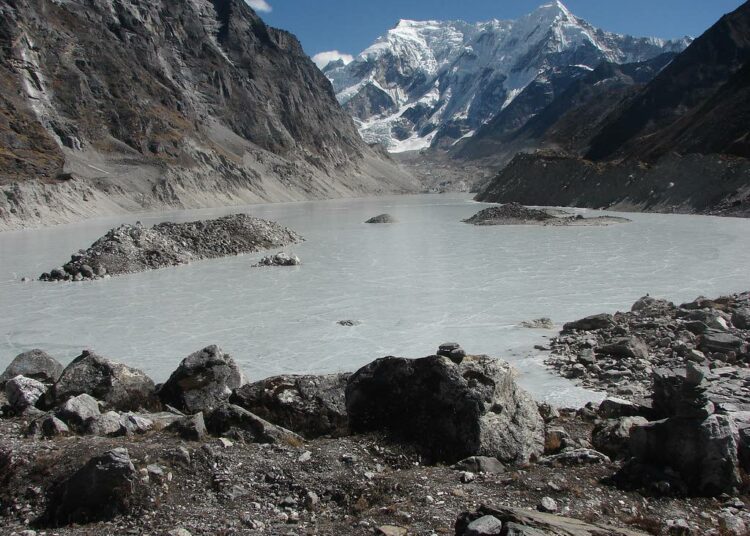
(190, 427)
(35, 364)
(590, 323)
(311, 406)
(382, 218)
(613, 435)
(451, 411)
(203, 381)
(704, 453)
(720, 342)
(119, 387)
(237, 423)
(625, 347)
(107, 486)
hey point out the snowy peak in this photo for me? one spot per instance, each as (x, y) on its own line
(435, 82)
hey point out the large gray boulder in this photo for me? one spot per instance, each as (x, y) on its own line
(312, 406)
(23, 392)
(204, 380)
(35, 364)
(235, 422)
(77, 411)
(612, 436)
(119, 387)
(105, 487)
(703, 453)
(626, 347)
(590, 323)
(451, 411)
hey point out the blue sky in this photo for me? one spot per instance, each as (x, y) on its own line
(349, 26)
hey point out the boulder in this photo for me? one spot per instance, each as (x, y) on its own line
(190, 427)
(554, 440)
(279, 259)
(23, 392)
(77, 410)
(625, 347)
(238, 423)
(106, 486)
(311, 406)
(612, 436)
(704, 453)
(453, 351)
(652, 306)
(203, 381)
(614, 408)
(382, 218)
(119, 387)
(741, 318)
(106, 425)
(590, 323)
(449, 410)
(720, 342)
(521, 522)
(480, 464)
(47, 426)
(35, 364)
(485, 526)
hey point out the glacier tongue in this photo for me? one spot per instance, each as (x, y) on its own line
(431, 83)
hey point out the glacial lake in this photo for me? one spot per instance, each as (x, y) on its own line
(413, 285)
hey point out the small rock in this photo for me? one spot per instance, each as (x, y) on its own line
(391, 530)
(485, 526)
(382, 218)
(179, 532)
(548, 505)
(466, 477)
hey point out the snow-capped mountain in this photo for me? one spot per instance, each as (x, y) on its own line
(432, 83)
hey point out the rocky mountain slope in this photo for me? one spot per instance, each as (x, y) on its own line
(121, 105)
(678, 143)
(432, 83)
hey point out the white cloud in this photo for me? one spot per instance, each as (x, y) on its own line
(259, 5)
(322, 59)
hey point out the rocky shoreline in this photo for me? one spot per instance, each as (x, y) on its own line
(517, 214)
(135, 248)
(446, 444)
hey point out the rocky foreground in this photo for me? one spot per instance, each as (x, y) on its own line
(517, 214)
(135, 248)
(446, 444)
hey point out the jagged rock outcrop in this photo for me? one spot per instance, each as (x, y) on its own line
(118, 386)
(450, 410)
(203, 381)
(226, 110)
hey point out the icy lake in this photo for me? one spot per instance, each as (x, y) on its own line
(413, 285)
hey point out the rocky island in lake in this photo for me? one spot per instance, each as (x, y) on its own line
(517, 214)
(135, 248)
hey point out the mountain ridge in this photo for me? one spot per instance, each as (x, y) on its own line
(438, 82)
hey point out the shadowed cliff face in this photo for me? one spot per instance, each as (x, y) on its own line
(180, 103)
(150, 74)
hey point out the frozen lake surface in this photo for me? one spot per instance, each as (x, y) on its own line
(425, 280)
